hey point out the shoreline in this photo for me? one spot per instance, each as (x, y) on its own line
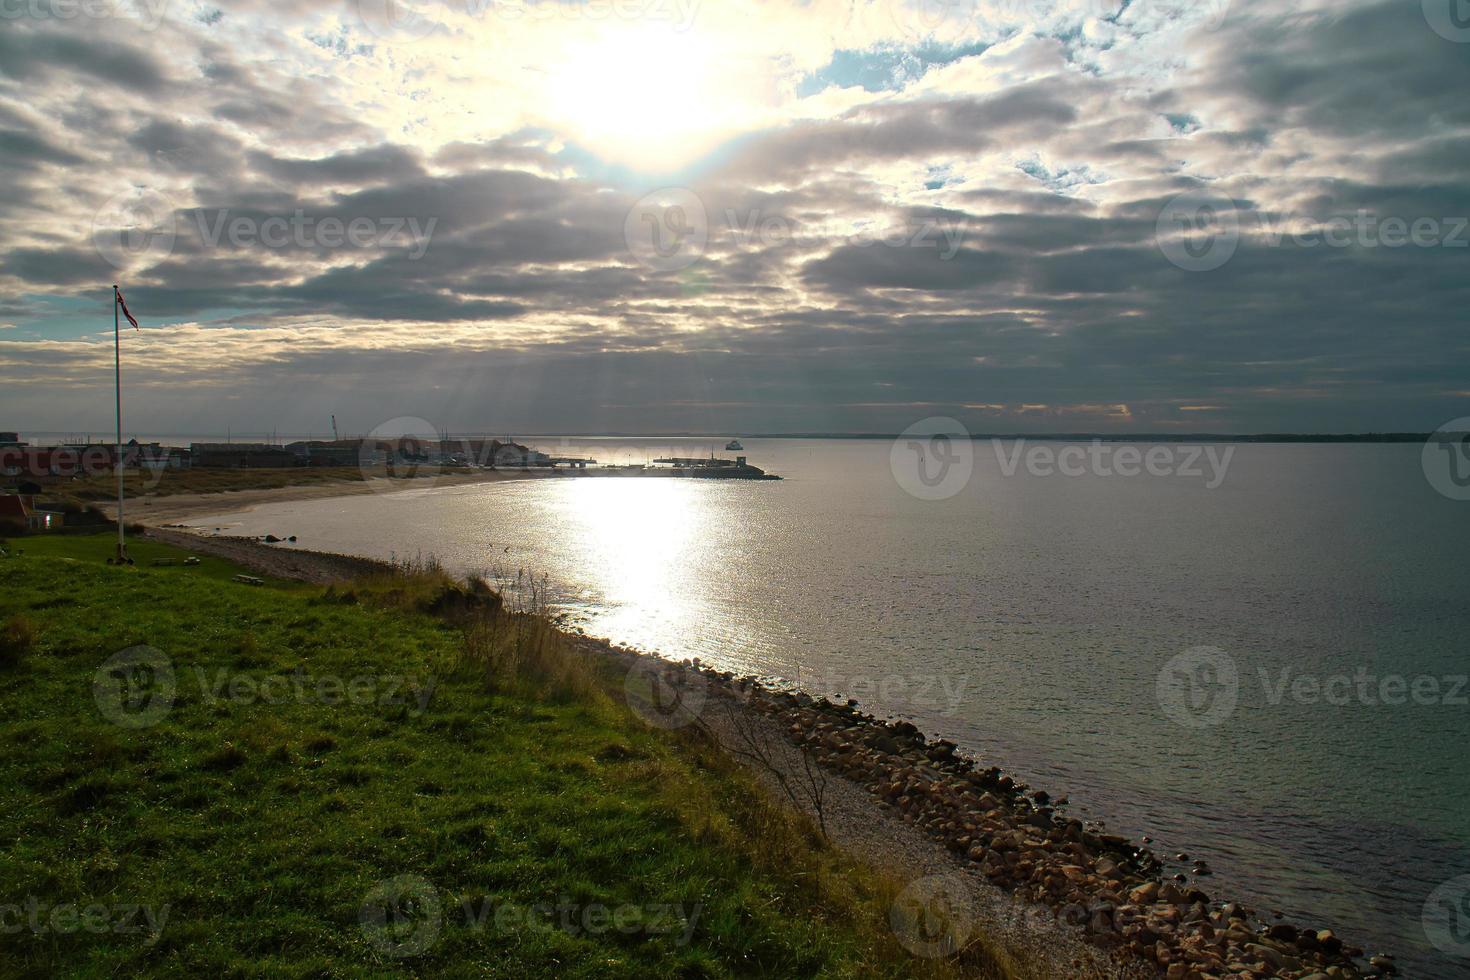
(1015, 842)
(182, 506)
(169, 509)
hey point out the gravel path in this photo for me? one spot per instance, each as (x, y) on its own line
(868, 829)
(306, 566)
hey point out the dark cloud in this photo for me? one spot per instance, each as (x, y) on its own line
(30, 56)
(373, 165)
(188, 149)
(1350, 71)
(20, 150)
(905, 130)
(57, 266)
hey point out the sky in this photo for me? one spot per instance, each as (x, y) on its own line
(654, 216)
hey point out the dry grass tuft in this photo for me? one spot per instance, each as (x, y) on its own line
(17, 639)
(513, 640)
(510, 636)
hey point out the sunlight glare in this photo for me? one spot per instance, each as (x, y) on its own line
(638, 537)
(647, 95)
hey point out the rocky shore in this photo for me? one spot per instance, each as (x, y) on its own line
(317, 567)
(1111, 891)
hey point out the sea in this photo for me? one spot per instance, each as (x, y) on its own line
(1256, 657)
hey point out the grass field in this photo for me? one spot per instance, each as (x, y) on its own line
(95, 549)
(334, 788)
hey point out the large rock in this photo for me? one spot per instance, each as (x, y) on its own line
(1144, 894)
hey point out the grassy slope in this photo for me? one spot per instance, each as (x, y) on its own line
(263, 827)
(96, 548)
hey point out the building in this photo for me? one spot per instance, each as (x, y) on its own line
(512, 454)
(87, 459)
(21, 510)
(65, 461)
(240, 456)
(10, 439)
(339, 452)
(152, 456)
(157, 458)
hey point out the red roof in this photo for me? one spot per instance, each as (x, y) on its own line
(13, 506)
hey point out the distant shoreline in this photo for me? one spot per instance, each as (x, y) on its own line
(161, 511)
(1369, 437)
(1264, 437)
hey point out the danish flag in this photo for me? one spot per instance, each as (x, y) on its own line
(125, 311)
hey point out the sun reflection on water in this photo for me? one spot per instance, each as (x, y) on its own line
(643, 547)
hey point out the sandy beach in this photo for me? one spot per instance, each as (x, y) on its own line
(155, 511)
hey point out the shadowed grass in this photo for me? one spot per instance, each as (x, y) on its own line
(97, 548)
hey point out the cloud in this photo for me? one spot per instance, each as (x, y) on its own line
(46, 56)
(376, 164)
(962, 220)
(21, 150)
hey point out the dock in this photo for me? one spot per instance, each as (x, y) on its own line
(709, 469)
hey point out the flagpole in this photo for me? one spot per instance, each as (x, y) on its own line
(117, 463)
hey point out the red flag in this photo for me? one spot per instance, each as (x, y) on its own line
(125, 312)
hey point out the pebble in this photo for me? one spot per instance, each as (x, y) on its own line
(1018, 841)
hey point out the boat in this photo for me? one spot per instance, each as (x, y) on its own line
(734, 446)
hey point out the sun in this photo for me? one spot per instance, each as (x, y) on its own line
(648, 96)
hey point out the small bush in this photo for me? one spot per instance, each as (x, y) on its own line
(17, 639)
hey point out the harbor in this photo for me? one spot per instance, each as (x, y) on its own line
(395, 457)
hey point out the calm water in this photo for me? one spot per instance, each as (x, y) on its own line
(1029, 618)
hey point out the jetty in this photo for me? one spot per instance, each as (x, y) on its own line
(688, 467)
(708, 469)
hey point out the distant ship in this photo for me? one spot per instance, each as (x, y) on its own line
(734, 445)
